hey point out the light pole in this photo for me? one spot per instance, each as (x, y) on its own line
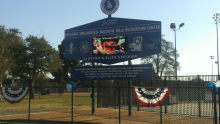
(216, 18)
(212, 57)
(173, 27)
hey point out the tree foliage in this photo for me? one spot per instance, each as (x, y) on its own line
(34, 58)
(9, 39)
(163, 63)
(65, 75)
(41, 82)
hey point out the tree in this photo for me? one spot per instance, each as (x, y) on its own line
(34, 58)
(3, 59)
(41, 82)
(12, 40)
(66, 74)
(163, 63)
(8, 38)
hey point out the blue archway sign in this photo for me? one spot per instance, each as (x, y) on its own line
(113, 40)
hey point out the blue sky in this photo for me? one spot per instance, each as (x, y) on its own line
(196, 40)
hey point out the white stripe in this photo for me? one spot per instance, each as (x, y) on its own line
(150, 93)
(14, 91)
(14, 98)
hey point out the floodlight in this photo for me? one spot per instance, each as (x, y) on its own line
(173, 26)
(181, 25)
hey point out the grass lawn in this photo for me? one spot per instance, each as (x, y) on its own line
(51, 102)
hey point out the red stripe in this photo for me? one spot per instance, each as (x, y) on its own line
(150, 89)
(151, 104)
(12, 102)
(15, 89)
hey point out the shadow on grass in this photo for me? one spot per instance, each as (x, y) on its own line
(22, 121)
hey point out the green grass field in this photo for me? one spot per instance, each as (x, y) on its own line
(50, 102)
(44, 103)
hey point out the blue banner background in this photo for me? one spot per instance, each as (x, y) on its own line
(120, 72)
(79, 40)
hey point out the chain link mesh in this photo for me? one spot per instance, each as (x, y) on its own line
(190, 101)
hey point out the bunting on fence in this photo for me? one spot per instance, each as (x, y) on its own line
(150, 97)
(14, 95)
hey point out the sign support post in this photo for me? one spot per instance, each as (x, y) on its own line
(72, 107)
(129, 93)
(93, 94)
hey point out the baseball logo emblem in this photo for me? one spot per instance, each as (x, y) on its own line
(109, 7)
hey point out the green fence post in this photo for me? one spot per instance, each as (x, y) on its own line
(119, 103)
(29, 104)
(219, 101)
(215, 106)
(199, 96)
(161, 118)
(138, 104)
(165, 83)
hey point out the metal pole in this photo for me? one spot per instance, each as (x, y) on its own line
(167, 100)
(72, 108)
(161, 118)
(217, 46)
(199, 102)
(215, 107)
(219, 102)
(129, 93)
(93, 94)
(119, 104)
(1, 86)
(212, 57)
(173, 27)
(175, 55)
(29, 104)
(212, 63)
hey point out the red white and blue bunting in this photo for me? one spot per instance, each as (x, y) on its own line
(14, 95)
(150, 97)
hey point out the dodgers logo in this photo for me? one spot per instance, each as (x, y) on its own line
(109, 7)
(84, 47)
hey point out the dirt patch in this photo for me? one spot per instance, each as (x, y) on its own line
(110, 116)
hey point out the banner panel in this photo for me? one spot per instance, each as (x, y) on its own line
(113, 40)
(119, 72)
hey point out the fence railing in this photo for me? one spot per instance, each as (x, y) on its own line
(190, 100)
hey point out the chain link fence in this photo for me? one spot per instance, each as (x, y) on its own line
(189, 101)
